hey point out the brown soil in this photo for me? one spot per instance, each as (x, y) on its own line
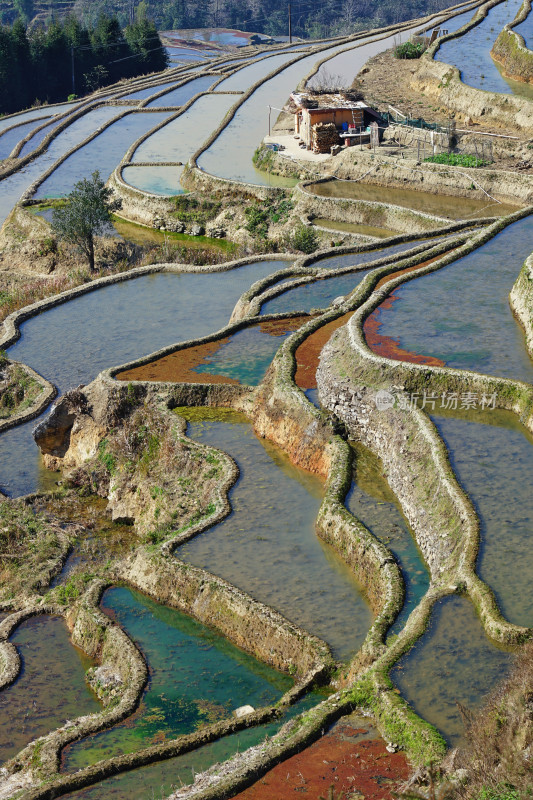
(386, 80)
(351, 758)
(181, 365)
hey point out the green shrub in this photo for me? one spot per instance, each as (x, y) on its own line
(305, 239)
(457, 160)
(409, 50)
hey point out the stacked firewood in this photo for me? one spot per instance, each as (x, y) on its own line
(324, 136)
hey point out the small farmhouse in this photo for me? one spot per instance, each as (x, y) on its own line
(325, 120)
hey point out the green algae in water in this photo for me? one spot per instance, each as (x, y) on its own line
(196, 677)
(492, 455)
(268, 546)
(371, 500)
(247, 355)
(454, 662)
(158, 780)
(50, 689)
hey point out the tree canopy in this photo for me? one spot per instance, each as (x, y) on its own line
(85, 214)
(48, 64)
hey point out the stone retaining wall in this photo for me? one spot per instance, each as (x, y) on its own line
(442, 82)
(510, 49)
(379, 215)
(521, 301)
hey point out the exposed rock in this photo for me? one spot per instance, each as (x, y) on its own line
(242, 711)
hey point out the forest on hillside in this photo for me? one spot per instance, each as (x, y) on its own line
(63, 59)
(310, 18)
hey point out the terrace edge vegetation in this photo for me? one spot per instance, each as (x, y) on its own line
(82, 436)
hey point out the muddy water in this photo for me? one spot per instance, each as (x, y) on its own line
(241, 358)
(491, 453)
(178, 140)
(350, 227)
(105, 152)
(16, 184)
(230, 156)
(452, 663)
(471, 52)
(196, 677)
(140, 234)
(181, 95)
(110, 326)
(477, 331)
(438, 205)
(155, 180)
(268, 546)
(371, 500)
(158, 780)
(50, 689)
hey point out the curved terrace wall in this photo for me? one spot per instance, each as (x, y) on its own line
(349, 377)
(510, 49)
(443, 83)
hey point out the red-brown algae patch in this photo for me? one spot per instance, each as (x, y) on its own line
(351, 757)
(180, 366)
(308, 352)
(386, 346)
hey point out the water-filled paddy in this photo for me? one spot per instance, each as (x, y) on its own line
(243, 357)
(452, 663)
(477, 331)
(110, 326)
(50, 689)
(154, 88)
(371, 500)
(525, 29)
(268, 545)
(230, 156)
(319, 294)
(246, 76)
(159, 779)
(104, 152)
(39, 136)
(491, 453)
(10, 138)
(223, 36)
(178, 140)
(16, 184)
(437, 205)
(34, 114)
(155, 180)
(471, 53)
(314, 295)
(181, 95)
(352, 227)
(196, 677)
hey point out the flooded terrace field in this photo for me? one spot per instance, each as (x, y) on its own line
(438, 205)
